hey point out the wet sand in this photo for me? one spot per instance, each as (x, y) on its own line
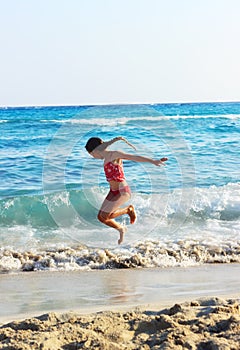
(192, 308)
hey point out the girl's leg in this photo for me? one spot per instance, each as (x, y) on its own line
(128, 210)
(110, 209)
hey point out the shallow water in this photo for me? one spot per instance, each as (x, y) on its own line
(26, 295)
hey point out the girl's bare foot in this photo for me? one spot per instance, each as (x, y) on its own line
(121, 231)
(132, 214)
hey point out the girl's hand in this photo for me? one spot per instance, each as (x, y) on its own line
(160, 161)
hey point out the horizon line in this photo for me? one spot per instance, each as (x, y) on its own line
(114, 104)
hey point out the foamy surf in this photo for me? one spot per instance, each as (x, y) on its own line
(146, 254)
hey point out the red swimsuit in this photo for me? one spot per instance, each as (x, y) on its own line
(114, 171)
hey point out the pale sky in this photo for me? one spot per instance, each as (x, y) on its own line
(73, 52)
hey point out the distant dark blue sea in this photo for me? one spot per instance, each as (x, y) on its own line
(51, 189)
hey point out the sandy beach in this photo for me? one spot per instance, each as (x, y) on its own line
(210, 323)
(193, 308)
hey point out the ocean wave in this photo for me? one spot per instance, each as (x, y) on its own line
(81, 206)
(146, 254)
(92, 121)
(119, 120)
(124, 120)
(40, 210)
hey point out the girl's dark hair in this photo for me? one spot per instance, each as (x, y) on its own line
(92, 143)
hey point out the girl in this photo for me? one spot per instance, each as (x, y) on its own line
(119, 190)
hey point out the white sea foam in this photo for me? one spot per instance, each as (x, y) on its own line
(124, 120)
(143, 254)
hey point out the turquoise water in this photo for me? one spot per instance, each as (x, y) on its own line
(51, 189)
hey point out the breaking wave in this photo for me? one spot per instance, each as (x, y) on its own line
(221, 203)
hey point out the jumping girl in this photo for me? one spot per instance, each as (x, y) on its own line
(119, 190)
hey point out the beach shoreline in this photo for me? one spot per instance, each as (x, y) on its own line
(28, 294)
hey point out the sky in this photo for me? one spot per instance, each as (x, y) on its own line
(78, 52)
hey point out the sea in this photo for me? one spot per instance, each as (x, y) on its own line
(188, 212)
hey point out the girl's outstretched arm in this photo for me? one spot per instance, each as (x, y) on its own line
(136, 158)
